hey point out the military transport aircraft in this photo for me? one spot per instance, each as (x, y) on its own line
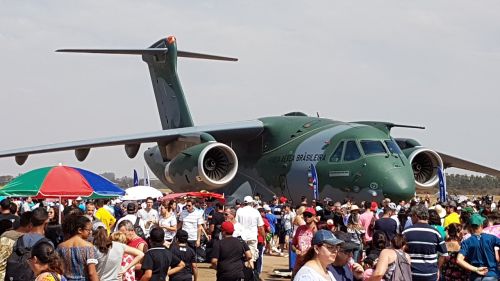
(271, 155)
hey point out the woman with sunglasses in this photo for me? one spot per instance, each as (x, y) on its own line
(46, 263)
(312, 266)
(79, 255)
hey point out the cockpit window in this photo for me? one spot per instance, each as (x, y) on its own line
(392, 146)
(337, 155)
(351, 151)
(372, 147)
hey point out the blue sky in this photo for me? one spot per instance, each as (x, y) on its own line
(430, 63)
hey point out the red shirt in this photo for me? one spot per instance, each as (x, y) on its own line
(303, 237)
(135, 244)
(267, 228)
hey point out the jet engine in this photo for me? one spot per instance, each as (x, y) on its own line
(207, 166)
(424, 163)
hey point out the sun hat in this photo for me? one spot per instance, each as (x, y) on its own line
(440, 210)
(354, 208)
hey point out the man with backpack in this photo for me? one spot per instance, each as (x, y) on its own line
(9, 238)
(17, 263)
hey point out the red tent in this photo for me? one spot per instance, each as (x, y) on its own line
(196, 194)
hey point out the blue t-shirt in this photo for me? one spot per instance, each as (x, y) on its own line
(272, 221)
(341, 273)
(479, 250)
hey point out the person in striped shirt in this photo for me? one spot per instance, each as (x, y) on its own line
(425, 246)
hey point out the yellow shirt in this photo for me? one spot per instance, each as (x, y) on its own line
(106, 218)
(451, 218)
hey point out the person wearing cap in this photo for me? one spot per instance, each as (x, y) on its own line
(344, 267)
(227, 255)
(252, 224)
(272, 220)
(182, 251)
(75, 204)
(425, 246)
(453, 216)
(305, 233)
(131, 210)
(477, 253)
(312, 266)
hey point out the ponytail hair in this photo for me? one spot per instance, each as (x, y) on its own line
(101, 240)
(46, 254)
(74, 222)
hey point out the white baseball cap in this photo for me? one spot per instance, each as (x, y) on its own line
(248, 199)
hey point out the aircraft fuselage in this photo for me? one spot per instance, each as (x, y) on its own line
(352, 160)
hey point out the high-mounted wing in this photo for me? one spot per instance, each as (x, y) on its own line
(454, 162)
(227, 131)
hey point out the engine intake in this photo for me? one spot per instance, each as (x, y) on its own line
(425, 163)
(208, 166)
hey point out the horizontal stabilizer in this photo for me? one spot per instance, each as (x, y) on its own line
(387, 126)
(148, 51)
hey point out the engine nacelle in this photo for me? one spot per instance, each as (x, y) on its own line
(424, 163)
(207, 165)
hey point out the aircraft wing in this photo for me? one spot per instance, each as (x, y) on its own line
(236, 130)
(451, 161)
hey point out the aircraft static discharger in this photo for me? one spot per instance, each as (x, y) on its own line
(268, 155)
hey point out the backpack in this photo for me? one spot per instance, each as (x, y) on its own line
(402, 270)
(17, 268)
(138, 229)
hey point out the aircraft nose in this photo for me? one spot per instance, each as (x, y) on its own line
(399, 184)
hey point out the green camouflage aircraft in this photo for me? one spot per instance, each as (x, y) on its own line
(271, 155)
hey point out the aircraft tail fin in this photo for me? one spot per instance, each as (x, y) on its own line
(161, 58)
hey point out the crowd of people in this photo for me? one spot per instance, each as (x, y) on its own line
(112, 240)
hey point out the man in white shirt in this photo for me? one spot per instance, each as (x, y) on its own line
(149, 215)
(131, 208)
(252, 223)
(192, 222)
